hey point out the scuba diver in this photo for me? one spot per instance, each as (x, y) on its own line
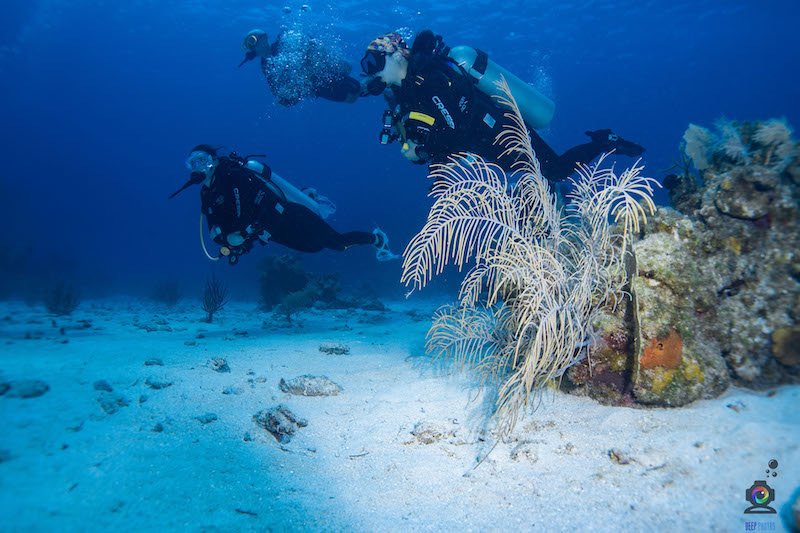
(297, 66)
(441, 102)
(245, 202)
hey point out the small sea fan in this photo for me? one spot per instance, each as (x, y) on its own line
(776, 137)
(731, 144)
(773, 132)
(697, 145)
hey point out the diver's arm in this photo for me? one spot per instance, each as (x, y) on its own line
(373, 86)
(350, 88)
(214, 217)
(345, 90)
(218, 230)
(435, 121)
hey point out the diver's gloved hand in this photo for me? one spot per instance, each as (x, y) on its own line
(426, 42)
(382, 252)
(415, 152)
(227, 251)
(608, 140)
(409, 151)
(233, 253)
(372, 86)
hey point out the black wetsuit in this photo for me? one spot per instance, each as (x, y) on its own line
(301, 67)
(240, 200)
(439, 107)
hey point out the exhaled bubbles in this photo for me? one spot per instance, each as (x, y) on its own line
(407, 33)
(305, 8)
(304, 62)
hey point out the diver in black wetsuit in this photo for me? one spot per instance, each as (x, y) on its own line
(437, 109)
(297, 66)
(245, 202)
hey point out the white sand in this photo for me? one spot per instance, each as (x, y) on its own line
(356, 466)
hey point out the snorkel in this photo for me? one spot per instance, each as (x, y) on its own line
(195, 179)
(249, 56)
(201, 163)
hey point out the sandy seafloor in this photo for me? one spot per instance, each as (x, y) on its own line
(65, 464)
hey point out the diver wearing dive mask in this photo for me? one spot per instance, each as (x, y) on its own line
(297, 67)
(438, 108)
(244, 202)
(255, 44)
(201, 163)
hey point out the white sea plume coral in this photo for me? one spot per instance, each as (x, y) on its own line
(541, 273)
(470, 336)
(601, 193)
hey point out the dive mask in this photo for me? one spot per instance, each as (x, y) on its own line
(250, 42)
(373, 62)
(253, 39)
(199, 161)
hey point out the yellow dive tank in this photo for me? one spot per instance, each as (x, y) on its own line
(536, 108)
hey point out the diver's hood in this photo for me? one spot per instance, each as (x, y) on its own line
(194, 179)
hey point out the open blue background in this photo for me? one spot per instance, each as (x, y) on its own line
(101, 101)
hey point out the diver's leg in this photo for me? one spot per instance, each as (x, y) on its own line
(583, 153)
(608, 140)
(603, 141)
(303, 230)
(353, 238)
(554, 167)
(559, 167)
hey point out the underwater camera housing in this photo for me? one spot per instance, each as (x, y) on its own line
(387, 133)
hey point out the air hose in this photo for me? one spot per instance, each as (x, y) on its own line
(203, 241)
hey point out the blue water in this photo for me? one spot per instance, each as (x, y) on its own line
(101, 102)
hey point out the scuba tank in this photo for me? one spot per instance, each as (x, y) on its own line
(536, 108)
(320, 205)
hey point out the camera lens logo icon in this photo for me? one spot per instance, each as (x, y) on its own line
(760, 495)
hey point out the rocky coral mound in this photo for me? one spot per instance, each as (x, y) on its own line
(288, 289)
(715, 282)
